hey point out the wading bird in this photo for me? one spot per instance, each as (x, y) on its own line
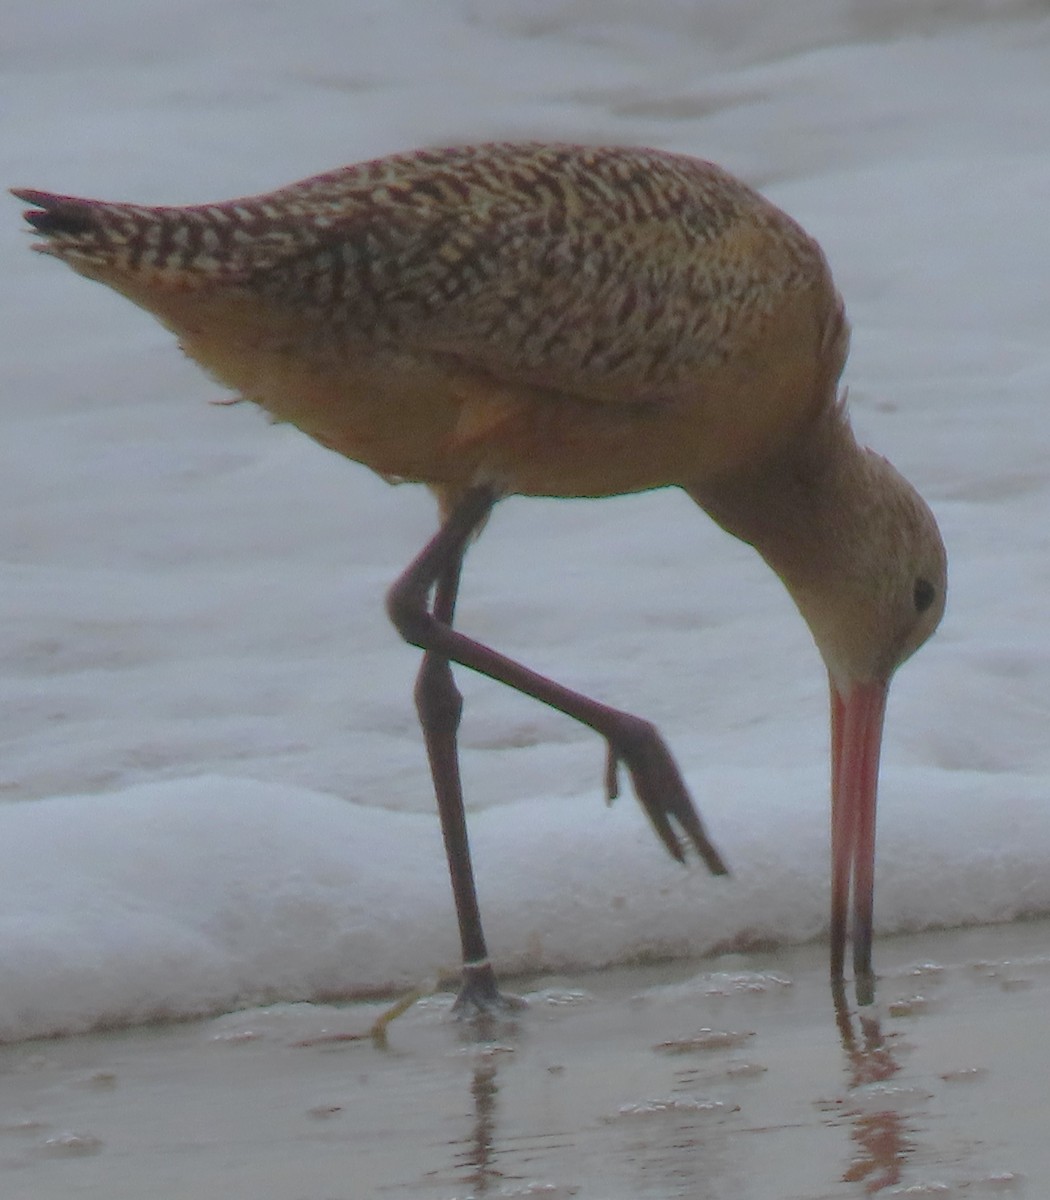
(558, 320)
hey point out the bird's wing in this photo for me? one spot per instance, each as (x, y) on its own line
(583, 303)
(611, 313)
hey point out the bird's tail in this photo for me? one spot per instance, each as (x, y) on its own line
(104, 241)
(131, 244)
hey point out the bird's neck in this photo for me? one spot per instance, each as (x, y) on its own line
(812, 513)
(801, 509)
(853, 542)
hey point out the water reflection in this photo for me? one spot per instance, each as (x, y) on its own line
(476, 1161)
(878, 1129)
(476, 1155)
(549, 1112)
(533, 1126)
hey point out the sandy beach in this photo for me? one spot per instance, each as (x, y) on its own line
(730, 1080)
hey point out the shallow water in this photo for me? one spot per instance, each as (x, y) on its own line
(731, 1081)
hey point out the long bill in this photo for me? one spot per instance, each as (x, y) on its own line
(856, 738)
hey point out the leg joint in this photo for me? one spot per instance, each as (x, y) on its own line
(406, 606)
(438, 701)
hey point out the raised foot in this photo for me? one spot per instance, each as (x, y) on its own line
(659, 786)
(480, 996)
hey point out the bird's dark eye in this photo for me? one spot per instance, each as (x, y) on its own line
(923, 595)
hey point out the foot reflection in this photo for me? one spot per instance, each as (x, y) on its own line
(476, 1154)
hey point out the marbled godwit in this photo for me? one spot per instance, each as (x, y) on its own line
(554, 320)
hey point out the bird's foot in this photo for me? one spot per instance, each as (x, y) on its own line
(659, 786)
(479, 995)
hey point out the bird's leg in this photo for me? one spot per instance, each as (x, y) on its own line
(631, 740)
(440, 705)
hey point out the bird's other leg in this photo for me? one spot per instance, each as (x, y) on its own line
(657, 781)
(440, 706)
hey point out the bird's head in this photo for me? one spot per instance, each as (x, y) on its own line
(873, 585)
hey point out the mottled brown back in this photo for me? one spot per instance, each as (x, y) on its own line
(605, 272)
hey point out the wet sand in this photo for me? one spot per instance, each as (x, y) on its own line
(724, 1079)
